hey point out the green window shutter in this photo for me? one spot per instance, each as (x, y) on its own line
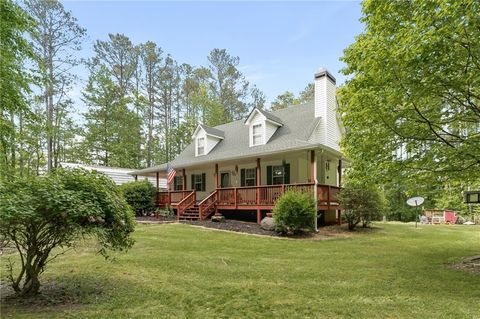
(242, 177)
(256, 176)
(204, 181)
(269, 175)
(193, 181)
(286, 178)
(175, 183)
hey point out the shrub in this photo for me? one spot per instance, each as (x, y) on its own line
(165, 212)
(140, 195)
(294, 212)
(361, 204)
(40, 214)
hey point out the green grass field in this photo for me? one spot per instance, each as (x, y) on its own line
(179, 271)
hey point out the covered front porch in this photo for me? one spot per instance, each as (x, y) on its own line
(254, 184)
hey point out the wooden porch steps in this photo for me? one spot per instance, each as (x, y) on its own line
(191, 213)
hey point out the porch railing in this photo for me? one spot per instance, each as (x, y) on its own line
(267, 195)
(187, 202)
(252, 196)
(207, 206)
(171, 197)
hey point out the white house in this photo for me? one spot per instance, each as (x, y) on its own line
(247, 164)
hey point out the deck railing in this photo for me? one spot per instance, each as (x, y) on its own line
(171, 197)
(252, 196)
(207, 206)
(186, 203)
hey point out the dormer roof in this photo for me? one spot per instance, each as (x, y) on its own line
(299, 123)
(269, 116)
(210, 131)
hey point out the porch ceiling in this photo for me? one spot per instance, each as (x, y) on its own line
(151, 171)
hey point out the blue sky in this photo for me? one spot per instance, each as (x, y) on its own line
(280, 44)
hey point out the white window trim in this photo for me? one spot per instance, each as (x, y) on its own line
(203, 146)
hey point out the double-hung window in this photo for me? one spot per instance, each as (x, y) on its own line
(201, 145)
(278, 175)
(198, 182)
(248, 177)
(257, 134)
(178, 183)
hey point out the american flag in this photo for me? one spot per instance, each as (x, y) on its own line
(170, 173)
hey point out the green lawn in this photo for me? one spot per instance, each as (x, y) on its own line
(179, 271)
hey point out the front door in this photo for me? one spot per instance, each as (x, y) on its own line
(224, 180)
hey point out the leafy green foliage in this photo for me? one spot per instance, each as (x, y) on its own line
(228, 84)
(14, 79)
(412, 99)
(38, 214)
(294, 212)
(112, 135)
(140, 195)
(361, 203)
(288, 98)
(56, 41)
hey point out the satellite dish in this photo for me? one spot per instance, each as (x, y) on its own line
(415, 201)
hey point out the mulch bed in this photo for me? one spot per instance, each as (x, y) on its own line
(234, 225)
(324, 233)
(470, 265)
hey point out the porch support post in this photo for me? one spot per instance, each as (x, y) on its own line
(312, 166)
(339, 212)
(184, 182)
(157, 175)
(259, 182)
(313, 179)
(136, 177)
(339, 173)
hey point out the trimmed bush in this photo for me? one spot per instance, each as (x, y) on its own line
(361, 203)
(140, 195)
(294, 212)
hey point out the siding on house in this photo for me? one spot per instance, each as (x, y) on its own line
(210, 141)
(257, 119)
(270, 129)
(332, 132)
(299, 171)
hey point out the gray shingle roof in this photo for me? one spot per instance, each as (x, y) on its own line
(298, 121)
(268, 115)
(213, 131)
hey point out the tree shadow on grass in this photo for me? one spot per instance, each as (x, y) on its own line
(65, 292)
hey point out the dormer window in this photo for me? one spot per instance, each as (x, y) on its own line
(206, 138)
(201, 145)
(262, 126)
(257, 134)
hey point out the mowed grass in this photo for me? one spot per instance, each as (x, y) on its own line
(179, 271)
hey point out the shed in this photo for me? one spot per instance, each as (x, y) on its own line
(440, 216)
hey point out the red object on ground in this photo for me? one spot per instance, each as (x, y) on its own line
(450, 216)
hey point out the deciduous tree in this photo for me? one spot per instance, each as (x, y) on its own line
(39, 215)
